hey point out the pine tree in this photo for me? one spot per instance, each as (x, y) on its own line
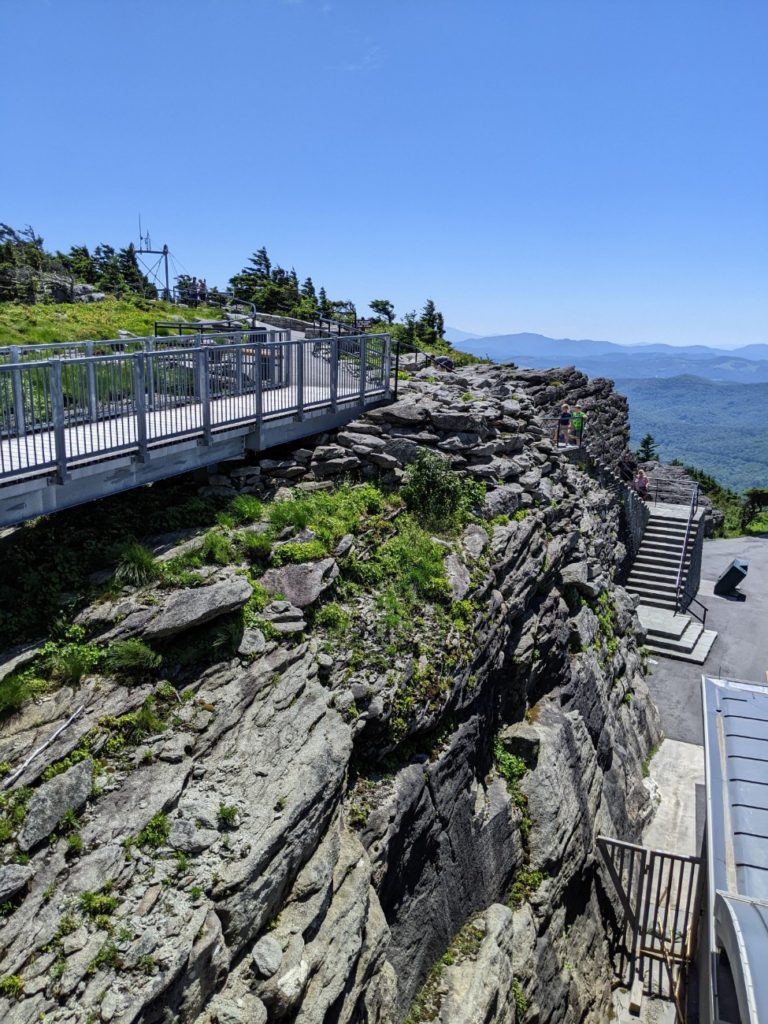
(648, 450)
(383, 308)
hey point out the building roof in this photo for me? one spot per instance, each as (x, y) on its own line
(736, 762)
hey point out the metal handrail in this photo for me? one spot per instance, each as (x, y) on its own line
(681, 567)
(148, 343)
(60, 411)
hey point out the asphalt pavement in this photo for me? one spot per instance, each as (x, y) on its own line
(741, 648)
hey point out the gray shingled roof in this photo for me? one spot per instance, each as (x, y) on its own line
(736, 755)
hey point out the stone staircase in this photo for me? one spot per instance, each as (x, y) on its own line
(672, 634)
(653, 578)
(654, 571)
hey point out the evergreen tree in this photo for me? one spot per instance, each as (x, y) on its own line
(108, 273)
(81, 264)
(323, 304)
(648, 450)
(308, 290)
(383, 308)
(130, 270)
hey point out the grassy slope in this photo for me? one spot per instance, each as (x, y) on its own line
(28, 325)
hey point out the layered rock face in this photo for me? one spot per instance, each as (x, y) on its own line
(606, 433)
(324, 827)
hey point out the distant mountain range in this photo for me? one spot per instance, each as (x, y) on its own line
(720, 428)
(705, 406)
(745, 365)
(456, 337)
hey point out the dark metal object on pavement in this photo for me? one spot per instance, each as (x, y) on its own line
(731, 577)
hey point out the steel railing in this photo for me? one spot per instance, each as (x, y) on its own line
(73, 349)
(679, 585)
(69, 410)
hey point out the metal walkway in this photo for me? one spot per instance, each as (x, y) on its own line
(76, 425)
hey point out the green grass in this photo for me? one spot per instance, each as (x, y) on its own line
(43, 324)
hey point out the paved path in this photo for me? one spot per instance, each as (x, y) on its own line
(741, 648)
(740, 652)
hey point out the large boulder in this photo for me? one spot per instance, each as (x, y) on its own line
(301, 584)
(52, 800)
(187, 608)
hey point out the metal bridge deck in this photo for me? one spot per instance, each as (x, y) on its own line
(82, 427)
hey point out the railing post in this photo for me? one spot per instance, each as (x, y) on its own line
(363, 357)
(387, 366)
(397, 364)
(18, 393)
(257, 392)
(201, 362)
(299, 379)
(57, 413)
(150, 373)
(238, 382)
(140, 403)
(90, 373)
(334, 374)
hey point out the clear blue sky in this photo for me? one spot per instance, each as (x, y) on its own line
(582, 168)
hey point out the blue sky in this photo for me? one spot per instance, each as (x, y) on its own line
(582, 168)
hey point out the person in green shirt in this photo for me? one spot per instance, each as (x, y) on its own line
(577, 424)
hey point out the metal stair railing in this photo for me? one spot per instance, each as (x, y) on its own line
(693, 509)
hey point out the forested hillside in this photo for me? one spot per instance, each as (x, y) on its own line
(720, 428)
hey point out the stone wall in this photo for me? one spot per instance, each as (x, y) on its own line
(332, 830)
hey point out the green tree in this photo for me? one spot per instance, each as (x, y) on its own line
(81, 264)
(648, 450)
(383, 308)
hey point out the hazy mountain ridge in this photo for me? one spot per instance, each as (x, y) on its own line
(720, 428)
(704, 406)
(746, 365)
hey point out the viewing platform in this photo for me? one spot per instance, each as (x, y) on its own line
(80, 421)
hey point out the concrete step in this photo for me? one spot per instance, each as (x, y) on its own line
(655, 589)
(698, 655)
(662, 623)
(682, 645)
(661, 582)
(668, 604)
(655, 533)
(654, 544)
(660, 558)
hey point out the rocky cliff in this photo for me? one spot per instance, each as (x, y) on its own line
(344, 757)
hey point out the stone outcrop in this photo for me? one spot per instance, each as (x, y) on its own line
(310, 836)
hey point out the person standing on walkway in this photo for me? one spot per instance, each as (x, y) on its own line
(641, 484)
(564, 424)
(577, 424)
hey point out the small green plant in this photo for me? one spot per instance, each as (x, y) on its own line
(227, 816)
(521, 514)
(195, 892)
(74, 844)
(155, 833)
(257, 547)
(299, 551)
(333, 618)
(12, 986)
(435, 494)
(521, 1003)
(108, 956)
(525, 885)
(98, 904)
(132, 658)
(217, 548)
(509, 766)
(246, 509)
(136, 566)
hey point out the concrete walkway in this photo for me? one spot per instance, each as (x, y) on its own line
(741, 649)
(740, 652)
